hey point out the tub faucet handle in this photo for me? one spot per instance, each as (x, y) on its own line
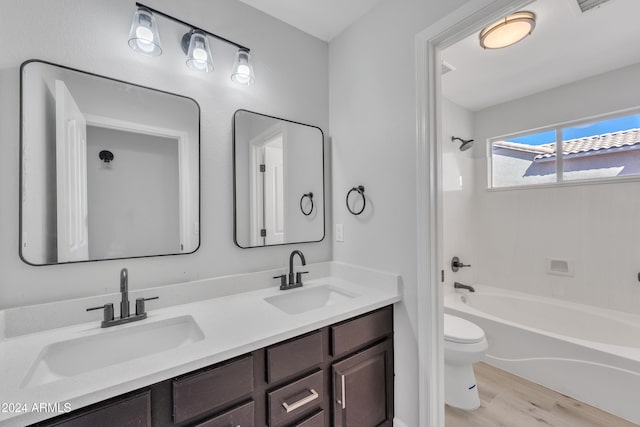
(456, 264)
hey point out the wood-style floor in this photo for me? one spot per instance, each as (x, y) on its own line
(507, 400)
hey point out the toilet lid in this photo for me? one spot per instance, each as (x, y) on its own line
(460, 330)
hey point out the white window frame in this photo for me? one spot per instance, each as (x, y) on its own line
(559, 158)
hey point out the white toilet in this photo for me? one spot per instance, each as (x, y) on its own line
(464, 344)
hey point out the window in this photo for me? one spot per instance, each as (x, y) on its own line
(591, 150)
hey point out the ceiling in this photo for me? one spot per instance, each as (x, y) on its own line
(323, 19)
(565, 46)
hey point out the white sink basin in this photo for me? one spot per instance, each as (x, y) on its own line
(79, 355)
(299, 300)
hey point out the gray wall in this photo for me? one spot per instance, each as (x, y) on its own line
(92, 36)
(373, 129)
(134, 200)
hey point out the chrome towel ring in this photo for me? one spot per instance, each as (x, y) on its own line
(308, 195)
(360, 190)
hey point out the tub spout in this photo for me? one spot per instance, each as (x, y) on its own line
(458, 285)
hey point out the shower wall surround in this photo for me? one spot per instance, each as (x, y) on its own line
(458, 186)
(92, 36)
(513, 232)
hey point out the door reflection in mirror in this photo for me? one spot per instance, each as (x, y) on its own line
(267, 210)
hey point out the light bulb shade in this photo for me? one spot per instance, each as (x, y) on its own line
(199, 56)
(242, 69)
(143, 35)
(509, 30)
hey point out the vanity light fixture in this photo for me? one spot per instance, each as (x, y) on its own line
(143, 38)
(196, 45)
(143, 35)
(509, 30)
(242, 68)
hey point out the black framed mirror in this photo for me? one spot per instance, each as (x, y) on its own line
(108, 169)
(278, 181)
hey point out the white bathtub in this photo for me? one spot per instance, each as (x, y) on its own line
(588, 353)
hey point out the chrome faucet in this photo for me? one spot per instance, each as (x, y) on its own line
(295, 279)
(125, 314)
(458, 285)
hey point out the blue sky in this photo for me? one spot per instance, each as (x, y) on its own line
(587, 129)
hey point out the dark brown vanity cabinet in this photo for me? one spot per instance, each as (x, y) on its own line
(340, 375)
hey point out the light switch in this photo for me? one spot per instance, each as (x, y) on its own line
(339, 233)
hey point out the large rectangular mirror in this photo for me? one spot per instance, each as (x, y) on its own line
(108, 170)
(278, 182)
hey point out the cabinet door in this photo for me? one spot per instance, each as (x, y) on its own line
(363, 388)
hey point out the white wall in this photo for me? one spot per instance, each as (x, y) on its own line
(373, 132)
(595, 226)
(92, 36)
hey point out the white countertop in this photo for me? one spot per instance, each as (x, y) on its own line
(232, 325)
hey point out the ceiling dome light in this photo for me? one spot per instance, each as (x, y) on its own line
(242, 68)
(199, 56)
(509, 30)
(143, 35)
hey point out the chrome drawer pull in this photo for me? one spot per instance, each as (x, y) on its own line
(313, 396)
(344, 393)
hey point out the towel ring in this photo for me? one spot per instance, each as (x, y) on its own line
(310, 196)
(360, 190)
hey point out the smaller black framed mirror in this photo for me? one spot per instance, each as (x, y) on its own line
(278, 181)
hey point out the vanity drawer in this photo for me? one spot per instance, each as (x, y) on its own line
(293, 357)
(316, 420)
(354, 334)
(242, 416)
(206, 391)
(296, 399)
(133, 411)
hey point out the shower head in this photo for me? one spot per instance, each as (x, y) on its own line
(466, 143)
